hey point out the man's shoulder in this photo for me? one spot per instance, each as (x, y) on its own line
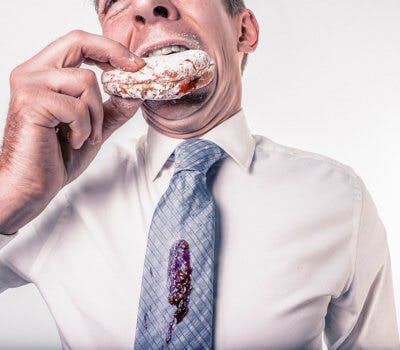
(305, 165)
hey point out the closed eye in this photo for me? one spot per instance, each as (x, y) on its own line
(109, 3)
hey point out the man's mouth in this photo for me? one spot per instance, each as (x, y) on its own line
(166, 47)
(166, 50)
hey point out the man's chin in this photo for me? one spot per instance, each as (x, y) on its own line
(180, 108)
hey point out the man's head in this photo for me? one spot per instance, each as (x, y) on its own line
(225, 29)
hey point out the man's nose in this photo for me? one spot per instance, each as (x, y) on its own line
(151, 11)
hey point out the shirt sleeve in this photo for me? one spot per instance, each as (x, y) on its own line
(364, 315)
(9, 277)
(20, 251)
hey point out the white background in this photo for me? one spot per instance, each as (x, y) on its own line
(325, 78)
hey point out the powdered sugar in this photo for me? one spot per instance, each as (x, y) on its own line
(163, 78)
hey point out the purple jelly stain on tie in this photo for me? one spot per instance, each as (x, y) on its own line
(179, 282)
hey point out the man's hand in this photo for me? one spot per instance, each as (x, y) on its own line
(57, 121)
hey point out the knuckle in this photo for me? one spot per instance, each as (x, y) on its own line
(24, 104)
(15, 76)
(23, 96)
(88, 76)
(76, 34)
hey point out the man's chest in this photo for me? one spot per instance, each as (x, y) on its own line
(265, 296)
(279, 261)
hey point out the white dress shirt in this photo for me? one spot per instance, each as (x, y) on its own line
(302, 250)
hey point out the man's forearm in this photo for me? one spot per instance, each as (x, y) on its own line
(16, 208)
(14, 214)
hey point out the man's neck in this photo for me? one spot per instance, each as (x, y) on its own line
(181, 133)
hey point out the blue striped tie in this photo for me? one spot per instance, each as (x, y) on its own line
(176, 301)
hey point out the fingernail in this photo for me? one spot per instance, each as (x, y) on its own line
(138, 60)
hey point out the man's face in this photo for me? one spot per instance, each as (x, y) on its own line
(143, 25)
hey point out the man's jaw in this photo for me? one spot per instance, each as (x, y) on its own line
(181, 108)
(194, 115)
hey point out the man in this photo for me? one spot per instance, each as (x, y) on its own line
(300, 250)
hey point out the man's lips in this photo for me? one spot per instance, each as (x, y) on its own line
(144, 51)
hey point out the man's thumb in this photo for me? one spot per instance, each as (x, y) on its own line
(117, 111)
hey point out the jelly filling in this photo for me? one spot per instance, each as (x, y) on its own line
(179, 282)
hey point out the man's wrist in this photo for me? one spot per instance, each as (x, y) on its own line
(16, 208)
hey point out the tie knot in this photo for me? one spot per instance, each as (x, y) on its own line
(197, 154)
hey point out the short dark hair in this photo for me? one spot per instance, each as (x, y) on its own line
(233, 7)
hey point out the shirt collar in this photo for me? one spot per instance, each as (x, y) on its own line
(233, 136)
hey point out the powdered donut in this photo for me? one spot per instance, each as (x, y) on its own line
(164, 77)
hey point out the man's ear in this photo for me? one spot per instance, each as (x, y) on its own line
(248, 31)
